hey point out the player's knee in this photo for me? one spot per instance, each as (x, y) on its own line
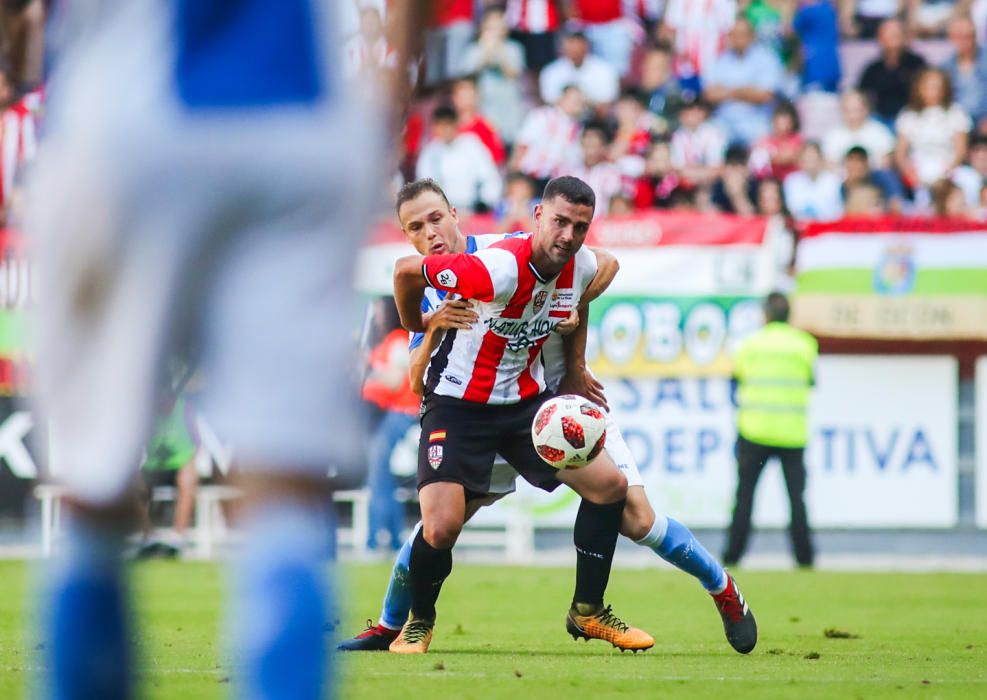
(441, 533)
(608, 489)
(638, 519)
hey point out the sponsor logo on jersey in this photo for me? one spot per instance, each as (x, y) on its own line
(447, 278)
(435, 455)
(453, 380)
(539, 300)
(520, 333)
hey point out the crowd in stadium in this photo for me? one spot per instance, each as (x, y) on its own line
(807, 109)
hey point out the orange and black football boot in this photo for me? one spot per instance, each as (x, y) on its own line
(603, 624)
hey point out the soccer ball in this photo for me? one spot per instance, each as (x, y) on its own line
(569, 431)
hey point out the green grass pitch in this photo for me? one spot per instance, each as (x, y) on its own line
(501, 635)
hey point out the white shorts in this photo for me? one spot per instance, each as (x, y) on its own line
(158, 233)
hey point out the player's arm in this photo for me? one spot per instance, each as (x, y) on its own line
(577, 379)
(464, 274)
(452, 314)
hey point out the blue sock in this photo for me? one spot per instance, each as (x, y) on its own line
(87, 645)
(397, 600)
(675, 543)
(279, 604)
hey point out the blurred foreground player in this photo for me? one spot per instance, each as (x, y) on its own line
(204, 206)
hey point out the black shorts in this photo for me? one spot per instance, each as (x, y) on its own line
(539, 49)
(461, 438)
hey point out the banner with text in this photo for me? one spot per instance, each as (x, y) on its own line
(893, 279)
(882, 453)
(980, 440)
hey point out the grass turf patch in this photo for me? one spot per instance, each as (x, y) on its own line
(501, 634)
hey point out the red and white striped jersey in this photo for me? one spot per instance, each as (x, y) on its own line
(551, 141)
(533, 16)
(605, 179)
(700, 28)
(497, 360)
(18, 140)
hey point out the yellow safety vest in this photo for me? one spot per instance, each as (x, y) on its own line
(774, 370)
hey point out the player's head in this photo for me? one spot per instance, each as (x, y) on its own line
(428, 220)
(561, 222)
(776, 308)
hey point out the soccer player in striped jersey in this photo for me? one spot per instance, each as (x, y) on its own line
(432, 227)
(483, 387)
(204, 173)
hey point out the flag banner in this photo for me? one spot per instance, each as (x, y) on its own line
(893, 278)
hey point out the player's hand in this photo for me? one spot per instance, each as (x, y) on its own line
(569, 325)
(582, 383)
(456, 313)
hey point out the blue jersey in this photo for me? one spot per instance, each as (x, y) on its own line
(249, 53)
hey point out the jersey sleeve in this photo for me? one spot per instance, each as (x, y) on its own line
(484, 276)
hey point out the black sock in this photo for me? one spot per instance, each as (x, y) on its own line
(427, 569)
(595, 536)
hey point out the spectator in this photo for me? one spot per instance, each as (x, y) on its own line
(621, 205)
(18, 134)
(811, 191)
(932, 132)
(928, 18)
(596, 170)
(635, 125)
(697, 29)
(549, 139)
(864, 199)
(868, 16)
(367, 51)
(780, 232)
(465, 98)
(967, 68)
(777, 154)
(460, 163)
(577, 66)
(742, 84)
(816, 26)
(388, 387)
(655, 188)
(515, 211)
(449, 33)
(697, 145)
(498, 64)
(735, 192)
(971, 178)
(535, 24)
(886, 80)
(610, 32)
(857, 171)
(859, 129)
(660, 87)
(770, 20)
(948, 200)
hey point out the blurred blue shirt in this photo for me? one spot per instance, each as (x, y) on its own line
(760, 68)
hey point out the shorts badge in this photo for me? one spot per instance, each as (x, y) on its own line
(434, 456)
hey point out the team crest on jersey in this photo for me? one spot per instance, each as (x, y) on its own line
(447, 278)
(539, 300)
(435, 455)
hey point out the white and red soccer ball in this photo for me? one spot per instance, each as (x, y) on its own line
(569, 431)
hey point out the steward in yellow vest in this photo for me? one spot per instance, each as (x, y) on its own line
(774, 370)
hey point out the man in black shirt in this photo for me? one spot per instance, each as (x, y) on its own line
(887, 81)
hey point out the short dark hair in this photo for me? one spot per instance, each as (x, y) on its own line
(788, 109)
(776, 307)
(444, 113)
(977, 141)
(571, 189)
(736, 154)
(599, 128)
(416, 188)
(857, 152)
